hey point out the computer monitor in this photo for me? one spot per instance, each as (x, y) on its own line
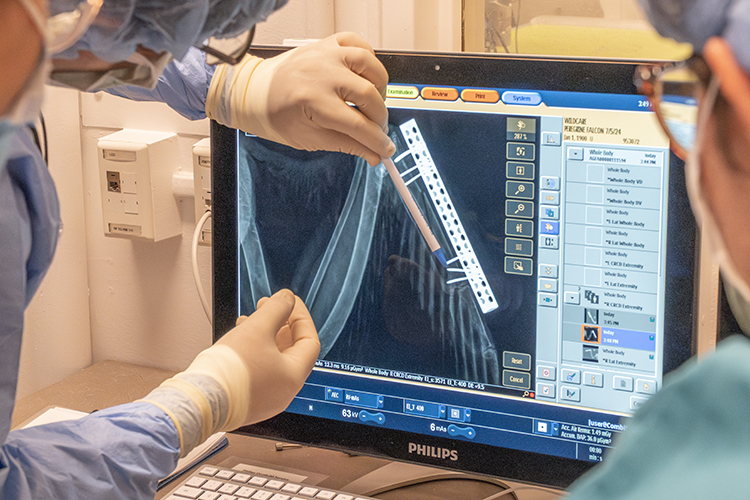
(567, 290)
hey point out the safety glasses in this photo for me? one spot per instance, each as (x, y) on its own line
(675, 91)
(67, 22)
(228, 50)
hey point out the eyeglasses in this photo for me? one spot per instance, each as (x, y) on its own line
(675, 91)
(68, 20)
(228, 50)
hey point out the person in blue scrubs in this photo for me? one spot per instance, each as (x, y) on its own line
(255, 370)
(692, 439)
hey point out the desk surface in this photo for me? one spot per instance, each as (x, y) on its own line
(102, 385)
(111, 383)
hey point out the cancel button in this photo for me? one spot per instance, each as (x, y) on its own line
(517, 380)
(516, 361)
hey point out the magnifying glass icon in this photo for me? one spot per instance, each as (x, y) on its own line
(521, 189)
(526, 394)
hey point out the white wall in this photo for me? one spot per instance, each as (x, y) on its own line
(144, 306)
(57, 337)
(112, 298)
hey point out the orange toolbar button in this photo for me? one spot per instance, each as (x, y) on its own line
(439, 93)
(472, 95)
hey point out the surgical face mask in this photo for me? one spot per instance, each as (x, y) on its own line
(28, 102)
(737, 289)
(7, 130)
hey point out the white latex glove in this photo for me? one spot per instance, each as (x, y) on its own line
(279, 345)
(249, 375)
(299, 98)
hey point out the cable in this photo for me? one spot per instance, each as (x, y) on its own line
(44, 137)
(514, 489)
(434, 477)
(196, 274)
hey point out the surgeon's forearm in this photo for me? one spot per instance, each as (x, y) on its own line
(119, 453)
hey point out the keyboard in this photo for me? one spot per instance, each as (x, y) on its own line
(216, 483)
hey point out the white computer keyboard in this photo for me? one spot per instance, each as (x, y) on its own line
(216, 483)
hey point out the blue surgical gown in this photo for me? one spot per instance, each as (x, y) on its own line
(117, 453)
(690, 441)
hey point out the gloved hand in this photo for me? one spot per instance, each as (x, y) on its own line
(279, 345)
(249, 375)
(299, 98)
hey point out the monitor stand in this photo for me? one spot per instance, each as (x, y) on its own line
(397, 475)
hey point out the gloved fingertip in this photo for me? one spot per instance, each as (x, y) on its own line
(391, 148)
(286, 295)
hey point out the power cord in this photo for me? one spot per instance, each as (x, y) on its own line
(513, 490)
(196, 275)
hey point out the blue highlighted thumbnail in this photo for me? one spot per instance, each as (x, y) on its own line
(631, 339)
(549, 227)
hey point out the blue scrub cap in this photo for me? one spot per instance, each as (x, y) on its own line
(171, 25)
(695, 21)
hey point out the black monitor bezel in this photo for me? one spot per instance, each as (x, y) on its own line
(501, 71)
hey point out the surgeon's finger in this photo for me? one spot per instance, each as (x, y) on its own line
(331, 140)
(240, 319)
(365, 96)
(266, 321)
(351, 39)
(284, 338)
(351, 123)
(366, 65)
(306, 346)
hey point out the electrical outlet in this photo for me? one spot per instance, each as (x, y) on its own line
(202, 186)
(135, 171)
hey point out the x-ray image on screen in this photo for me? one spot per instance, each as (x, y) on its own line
(418, 169)
(335, 231)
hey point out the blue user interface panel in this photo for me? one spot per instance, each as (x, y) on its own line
(545, 331)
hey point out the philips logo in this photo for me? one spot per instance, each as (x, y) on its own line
(433, 451)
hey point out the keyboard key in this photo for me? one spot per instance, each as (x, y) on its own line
(201, 487)
(245, 492)
(212, 485)
(188, 492)
(195, 482)
(229, 488)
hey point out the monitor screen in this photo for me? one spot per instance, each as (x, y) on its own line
(504, 298)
